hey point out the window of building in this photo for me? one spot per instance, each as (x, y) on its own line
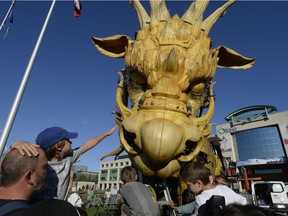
(259, 143)
(268, 171)
(103, 175)
(113, 174)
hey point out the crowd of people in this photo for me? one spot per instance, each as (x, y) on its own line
(35, 177)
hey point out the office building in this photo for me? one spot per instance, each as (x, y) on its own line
(256, 140)
(109, 172)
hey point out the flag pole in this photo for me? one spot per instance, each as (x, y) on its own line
(15, 106)
(7, 14)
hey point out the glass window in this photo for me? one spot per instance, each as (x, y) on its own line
(259, 143)
(268, 171)
(103, 175)
(277, 188)
(113, 175)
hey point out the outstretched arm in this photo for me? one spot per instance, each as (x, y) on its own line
(26, 148)
(94, 141)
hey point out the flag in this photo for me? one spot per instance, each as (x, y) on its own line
(9, 20)
(77, 8)
(10, 17)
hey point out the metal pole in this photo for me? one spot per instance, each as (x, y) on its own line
(14, 109)
(8, 12)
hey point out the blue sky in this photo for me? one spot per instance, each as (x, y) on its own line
(73, 86)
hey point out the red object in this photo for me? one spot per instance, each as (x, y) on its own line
(77, 8)
(246, 181)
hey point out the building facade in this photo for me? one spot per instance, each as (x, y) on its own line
(109, 172)
(255, 139)
(81, 178)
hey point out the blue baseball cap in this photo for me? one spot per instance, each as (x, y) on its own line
(53, 135)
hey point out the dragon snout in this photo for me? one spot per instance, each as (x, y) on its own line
(160, 139)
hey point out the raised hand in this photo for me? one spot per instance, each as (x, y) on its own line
(111, 131)
(25, 147)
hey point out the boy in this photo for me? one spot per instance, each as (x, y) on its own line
(139, 200)
(55, 141)
(198, 179)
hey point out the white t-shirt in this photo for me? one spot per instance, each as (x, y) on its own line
(108, 194)
(58, 178)
(221, 190)
(75, 200)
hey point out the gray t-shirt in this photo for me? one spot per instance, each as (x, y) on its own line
(58, 177)
(139, 199)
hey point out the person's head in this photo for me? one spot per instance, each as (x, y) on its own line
(244, 210)
(220, 180)
(56, 142)
(196, 175)
(80, 192)
(17, 168)
(128, 174)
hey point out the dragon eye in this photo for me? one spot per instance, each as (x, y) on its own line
(138, 78)
(197, 87)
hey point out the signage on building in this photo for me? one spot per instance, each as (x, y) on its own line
(284, 133)
(257, 161)
(226, 145)
(222, 130)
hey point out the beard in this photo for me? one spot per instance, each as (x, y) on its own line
(40, 182)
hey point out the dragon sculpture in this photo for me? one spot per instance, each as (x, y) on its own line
(168, 77)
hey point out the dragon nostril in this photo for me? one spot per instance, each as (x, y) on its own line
(130, 138)
(190, 146)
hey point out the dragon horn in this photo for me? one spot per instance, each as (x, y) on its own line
(195, 11)
(159, 12)
(143, 17)
(210, 21)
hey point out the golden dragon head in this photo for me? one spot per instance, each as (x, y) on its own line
(169, 69)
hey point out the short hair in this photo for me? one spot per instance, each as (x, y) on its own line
(220, 180)
(128, 174)
(195, 171)
(14, 165)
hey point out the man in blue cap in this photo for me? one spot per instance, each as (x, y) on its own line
(55, 141)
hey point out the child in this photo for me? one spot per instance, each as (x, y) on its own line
(198, 179)
(57, 146)
(138, 198)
